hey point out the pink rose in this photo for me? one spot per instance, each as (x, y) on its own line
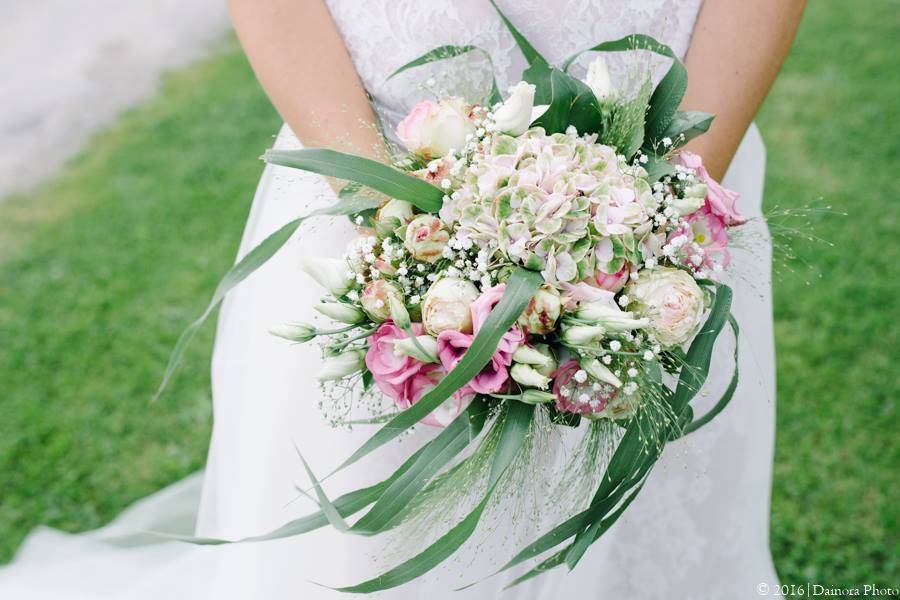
(574, 397)
(610, 282)
(423, 382)
(720, 201)
(432, 129)
(390, 371)
(453, 344)
(410, 130)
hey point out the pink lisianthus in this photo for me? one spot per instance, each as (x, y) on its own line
(612, 282)
(709, 231)
(404, 379)
(574, 397)
(720, 201)
(453, 344)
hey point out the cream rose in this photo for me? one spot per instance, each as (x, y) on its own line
(432, 129)
(425, 238)
(377, 297)
(446, 306)
(673, 302)
(514, 115)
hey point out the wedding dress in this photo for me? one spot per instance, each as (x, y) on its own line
(700, 527)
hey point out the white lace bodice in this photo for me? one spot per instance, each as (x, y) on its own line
(382, 35)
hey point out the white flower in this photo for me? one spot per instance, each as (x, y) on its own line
(330, 273)
(532, 396)
(599, 372)
(399, 314)
(528, 376)
(295, 332)
(425, 350)
(395, 209)
(514, 116)
(598, 79)
(541, 314)
(582, 335)
(343, 313)
(376, 299)
(694, 197)
(342, 365)
(433, 129)
(609, 317)
(673, 302)
(426, 239)
(446, 306)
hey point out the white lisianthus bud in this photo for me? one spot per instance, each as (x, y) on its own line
(541, 314)
(407, 347)
(330, 273)
(598, 371)
(672, 301)
(399, 314)
(537, 397)
(376, 299)
(528, 375)
(426, 238)
(514, 116)
(446, 306)
(582, 335)
(342, 365)
(432, 129)
(529, 355)
(295, 332)
(598, 79)
(395, 209)
(694, 197)
(338, 311)
(610, 317)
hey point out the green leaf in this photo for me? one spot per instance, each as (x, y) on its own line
(328, 509)
(441, 450)
(520, 288)
(370, 173)
(657, 167)
(685, 126)
(249, 263)
(515, 429)
(667, 95)
(451, 51)
(531, 55)
(699, 422)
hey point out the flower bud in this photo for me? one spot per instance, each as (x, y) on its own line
(447, 306)
(598, 371)
(611, 318)
(537, 397)
(342, 365)
(598, 79)
(529, 355)
(295, 332)
(425, 238)
(376, 297)
(338, 311)
(395, 209)
(330, 273)
(514, 116)
(407, 347)
(542, 312)
(399, 314)
(582, 335)
(527, 375)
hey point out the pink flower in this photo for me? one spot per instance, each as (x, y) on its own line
(432, 129)
(610, 282)
(720, 201)
(453, 344)
(574, 397)
(410, 130)
(423, 382)
(709, 230)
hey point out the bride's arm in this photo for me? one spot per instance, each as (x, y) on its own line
(304, 67)
(735, 53)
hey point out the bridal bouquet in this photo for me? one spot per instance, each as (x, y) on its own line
(551, 257)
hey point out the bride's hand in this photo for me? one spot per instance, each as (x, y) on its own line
(735, 52)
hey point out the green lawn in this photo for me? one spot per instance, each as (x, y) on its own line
(102, 267)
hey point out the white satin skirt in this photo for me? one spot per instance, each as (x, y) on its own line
(699, 529)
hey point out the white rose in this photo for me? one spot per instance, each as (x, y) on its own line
(514, 116)
(673, 302)
(395, 209)
(446, 306)
(432, 129)
(598, 79)
(330, 273)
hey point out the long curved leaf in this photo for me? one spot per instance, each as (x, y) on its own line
(249, 263)
(515, 429)
(370, 173)
(699, 422)
(520, 288)
(685, 126)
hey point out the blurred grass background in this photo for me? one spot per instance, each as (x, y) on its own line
(102, 267)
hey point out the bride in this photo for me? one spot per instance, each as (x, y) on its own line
(700, 527)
